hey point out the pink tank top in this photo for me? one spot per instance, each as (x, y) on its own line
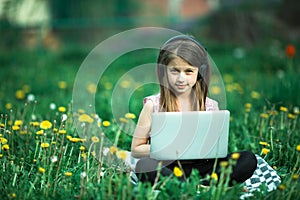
(210, 105)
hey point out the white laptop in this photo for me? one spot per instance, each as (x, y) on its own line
(189, 135)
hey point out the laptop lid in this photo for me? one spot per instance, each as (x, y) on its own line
(189, 135)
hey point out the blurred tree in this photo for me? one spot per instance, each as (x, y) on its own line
(75, 19)
(290, 12)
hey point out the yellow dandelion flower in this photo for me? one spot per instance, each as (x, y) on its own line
(281, 187)
(1, 155)
(223, 163)
(228, 78)
(55, 130)
(130, 116)
(215, 90)
(75, 140)
(177, 171)
(295, 176)
(255, 95)
(85, 118)
(2, 126)
(264, 143)
(123, 120)
(247, 110)
(291, 116)
(83, 155)
(214, 176)
(34, 160)
(265, 151)
(229, 88)
(81, 111)
(40, 132)
(23, 132)
(45, 145)
(106, 123)
(92, 88)
(235, 156)
(62, 132)
(53, 142)
(5, 147)
(125, 84)
(8, 106)
(13, 195)
(68, 174)
(15, 128)
(273, 112)
(68, 137)
(3, 140)
(62, 84)
(108, 85)
(45, 125)
(82, 148)
(18, 122)
(248, 105)
(121, 155)
(34, 124)
(42, 170)
(95, 139)
(26, 88)
(20, 94)
(298, 147)
(62, 109)
(283, 109)
(264, 115)
(113, 149)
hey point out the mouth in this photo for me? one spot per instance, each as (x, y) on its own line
(181, 86)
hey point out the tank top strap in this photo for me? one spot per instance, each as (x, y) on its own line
(155, 101)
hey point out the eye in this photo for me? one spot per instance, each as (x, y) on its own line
(189, 71)
(174, 70)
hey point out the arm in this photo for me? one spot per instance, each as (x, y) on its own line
(139, 145)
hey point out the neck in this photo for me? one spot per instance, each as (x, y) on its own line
(185, 102)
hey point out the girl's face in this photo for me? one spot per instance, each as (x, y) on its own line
(181, 75)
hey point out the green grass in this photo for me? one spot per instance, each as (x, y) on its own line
(266, 82)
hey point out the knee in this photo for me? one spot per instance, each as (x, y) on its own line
(249, 158)
(146, 165)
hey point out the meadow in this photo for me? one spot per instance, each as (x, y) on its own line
(42, 156)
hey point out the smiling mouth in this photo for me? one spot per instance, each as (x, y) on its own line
(181, 86)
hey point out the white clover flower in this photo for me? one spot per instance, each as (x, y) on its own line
(30, 97)
(64, 117)
(52, 106)
(83, 174)
(53, 159)
(105, 151)
(33, 117)
(296, 110)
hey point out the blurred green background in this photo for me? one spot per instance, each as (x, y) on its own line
(44, 42)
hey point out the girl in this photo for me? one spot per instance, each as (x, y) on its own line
(183, 72)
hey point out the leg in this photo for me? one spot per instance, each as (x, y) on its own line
(244, 168)
(146, 170)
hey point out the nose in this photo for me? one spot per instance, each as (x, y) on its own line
(181, 77)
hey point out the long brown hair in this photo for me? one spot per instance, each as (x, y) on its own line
(193, 53)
